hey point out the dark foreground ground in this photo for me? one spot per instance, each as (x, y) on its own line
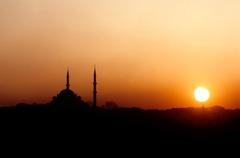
(102, 128)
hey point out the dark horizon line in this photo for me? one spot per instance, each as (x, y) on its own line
(124, 107)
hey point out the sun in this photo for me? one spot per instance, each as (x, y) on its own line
(201, 94)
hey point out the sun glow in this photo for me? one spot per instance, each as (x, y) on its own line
(201, 94)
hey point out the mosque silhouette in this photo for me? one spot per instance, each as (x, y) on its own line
(68, 98)
(68, 117)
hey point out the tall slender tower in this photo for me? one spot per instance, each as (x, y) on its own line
(94, 88)
(68, 80)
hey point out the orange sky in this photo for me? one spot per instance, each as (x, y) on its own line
(148, 53)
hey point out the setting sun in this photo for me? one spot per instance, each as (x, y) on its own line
(201, 94)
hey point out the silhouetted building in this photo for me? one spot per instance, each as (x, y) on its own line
(67, 98)
(94, 88)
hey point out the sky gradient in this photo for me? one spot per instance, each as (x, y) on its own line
(151, 54)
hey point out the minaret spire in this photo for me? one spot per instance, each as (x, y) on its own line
(68, 80)
(95, 87)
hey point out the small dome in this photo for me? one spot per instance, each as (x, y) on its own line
(67, 92)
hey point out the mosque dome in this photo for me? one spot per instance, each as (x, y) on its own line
(67, 93)
(67, 97)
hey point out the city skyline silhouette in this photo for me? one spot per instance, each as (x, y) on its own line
(151, 54)
(111, 75)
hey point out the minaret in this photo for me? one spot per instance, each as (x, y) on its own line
(94, 88)
(68, 80)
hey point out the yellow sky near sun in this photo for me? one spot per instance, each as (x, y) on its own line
(149, 53)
